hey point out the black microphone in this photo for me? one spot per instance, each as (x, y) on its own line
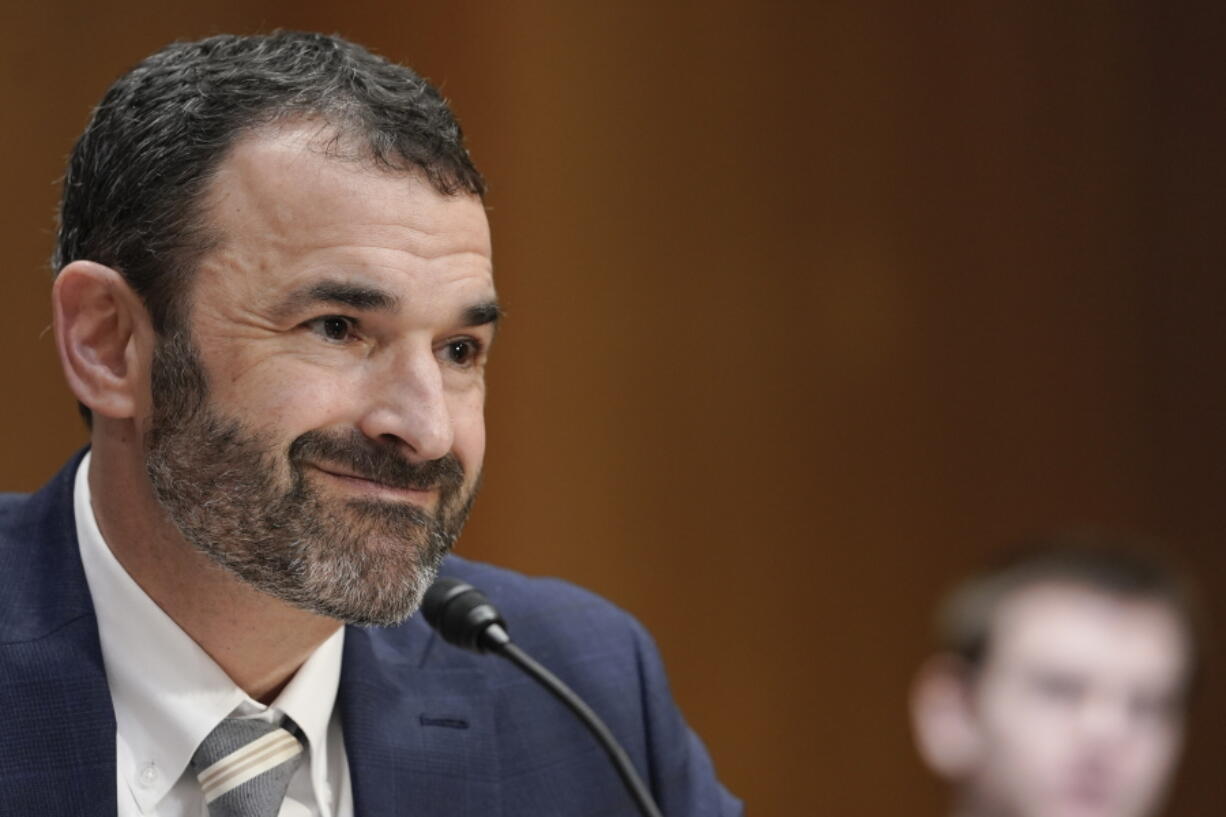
(463, 616)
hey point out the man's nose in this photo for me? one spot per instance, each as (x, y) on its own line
(1104, 718)
(407, 403)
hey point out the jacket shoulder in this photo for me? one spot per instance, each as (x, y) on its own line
(610, 660)
(42, 587)
(547, 613)
(12, 510)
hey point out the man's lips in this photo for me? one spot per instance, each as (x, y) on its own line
(368, 485)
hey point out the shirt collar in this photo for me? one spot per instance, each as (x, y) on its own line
(308, 699)
(167, 692)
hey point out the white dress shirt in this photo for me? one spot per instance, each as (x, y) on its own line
(168, 695)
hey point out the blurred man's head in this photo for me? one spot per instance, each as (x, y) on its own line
(1060, 686)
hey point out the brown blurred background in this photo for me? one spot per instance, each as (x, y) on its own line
(812, 306)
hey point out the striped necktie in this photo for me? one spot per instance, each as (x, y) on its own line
(244, 767)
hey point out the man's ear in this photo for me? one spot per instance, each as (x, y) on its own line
(101, 329)
(943, 717)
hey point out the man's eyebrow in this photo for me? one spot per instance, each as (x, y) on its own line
(483, 313)
(340, 293)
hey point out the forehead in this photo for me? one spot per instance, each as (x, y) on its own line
(280, 193)
(1074, 629)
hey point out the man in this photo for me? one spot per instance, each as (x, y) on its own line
(274, 302)
(1060, 688)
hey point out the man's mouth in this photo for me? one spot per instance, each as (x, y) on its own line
(370, 485)
(1093, 795)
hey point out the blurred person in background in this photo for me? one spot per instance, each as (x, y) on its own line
(1060, 685)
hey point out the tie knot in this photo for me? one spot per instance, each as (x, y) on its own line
(244, 767)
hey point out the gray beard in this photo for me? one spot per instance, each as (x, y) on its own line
(252, 508)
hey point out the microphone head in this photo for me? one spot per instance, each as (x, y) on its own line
(463, 616)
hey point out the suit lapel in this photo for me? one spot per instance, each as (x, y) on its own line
(420, 736)
(58, 741)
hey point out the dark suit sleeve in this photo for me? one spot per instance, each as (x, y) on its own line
(682, 778)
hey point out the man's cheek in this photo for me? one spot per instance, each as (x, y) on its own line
(293, 401)
(468, 421)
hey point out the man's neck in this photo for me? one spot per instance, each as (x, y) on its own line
(258, 640)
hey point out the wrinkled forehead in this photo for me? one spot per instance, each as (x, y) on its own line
(1091, 634)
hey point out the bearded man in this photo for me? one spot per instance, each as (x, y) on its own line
(274, 302)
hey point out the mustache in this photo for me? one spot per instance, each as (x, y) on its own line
(376, 461)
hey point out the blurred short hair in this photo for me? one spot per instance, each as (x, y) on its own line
(1122, 566)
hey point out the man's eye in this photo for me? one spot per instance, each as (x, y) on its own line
(332, 327)
(462, 352)
(1153, 707)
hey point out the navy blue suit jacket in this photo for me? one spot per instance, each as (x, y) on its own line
(429, 729)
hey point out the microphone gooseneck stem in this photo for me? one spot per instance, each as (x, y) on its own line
(591, 720)
(463, 616)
